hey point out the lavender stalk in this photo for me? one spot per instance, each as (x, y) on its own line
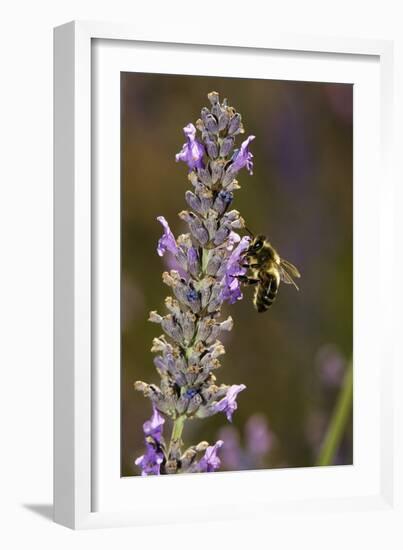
(209, 258)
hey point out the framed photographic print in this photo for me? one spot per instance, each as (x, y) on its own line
(218, 222)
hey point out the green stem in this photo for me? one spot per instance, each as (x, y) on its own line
(205, 259)
(177, 430)
(338, 421)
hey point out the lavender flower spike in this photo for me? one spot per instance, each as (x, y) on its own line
(210, 461)
(192, 151)
(229, 404)
(243, 157)
(209, 259)
(167, 241)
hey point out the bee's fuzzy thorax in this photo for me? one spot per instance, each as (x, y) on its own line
(266, 271)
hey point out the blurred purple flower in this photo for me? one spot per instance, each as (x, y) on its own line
(259, 439)
(243, 157)
(192, 255)
(210, 461)
(232, 287)
(167, 241)
(228, 404)
(331, 365)
(259, 442)
(192, 151)
(231, 454)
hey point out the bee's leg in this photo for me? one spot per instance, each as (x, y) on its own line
(247, 280)
(250, 265)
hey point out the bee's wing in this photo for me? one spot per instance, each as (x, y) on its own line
(290, 268)
(286, 277)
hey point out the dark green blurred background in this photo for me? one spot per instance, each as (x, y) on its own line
(291, 358)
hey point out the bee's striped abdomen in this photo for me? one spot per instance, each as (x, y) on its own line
(266, 292)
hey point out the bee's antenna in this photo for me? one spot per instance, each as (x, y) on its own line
(249, 231)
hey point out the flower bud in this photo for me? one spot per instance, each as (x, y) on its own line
(223, 200)
(193, 201)
(213, 97)
(223, 121)
(221, 234)
(194, 404)
(234, 124)
(211, 148)
(204, 176)
(154, 317)
(204, 114)
(226, 146)
(211, 123)
(216, 171)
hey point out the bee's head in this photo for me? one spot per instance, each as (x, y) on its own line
(257, 244)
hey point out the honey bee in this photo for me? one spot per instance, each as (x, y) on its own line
(266, 270)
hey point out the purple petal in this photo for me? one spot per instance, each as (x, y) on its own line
(231, 285)
(150, 462)
(243, 157)
(259, 439)
(167, 241)
(210, 461)
(193, 260)
(171, 263)
(231, 454)
(228, 404)
(192, 151)
(192, 255)
(154, 426)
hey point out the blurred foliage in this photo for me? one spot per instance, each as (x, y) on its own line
(300, 196)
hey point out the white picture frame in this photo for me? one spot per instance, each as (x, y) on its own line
(369, 486)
